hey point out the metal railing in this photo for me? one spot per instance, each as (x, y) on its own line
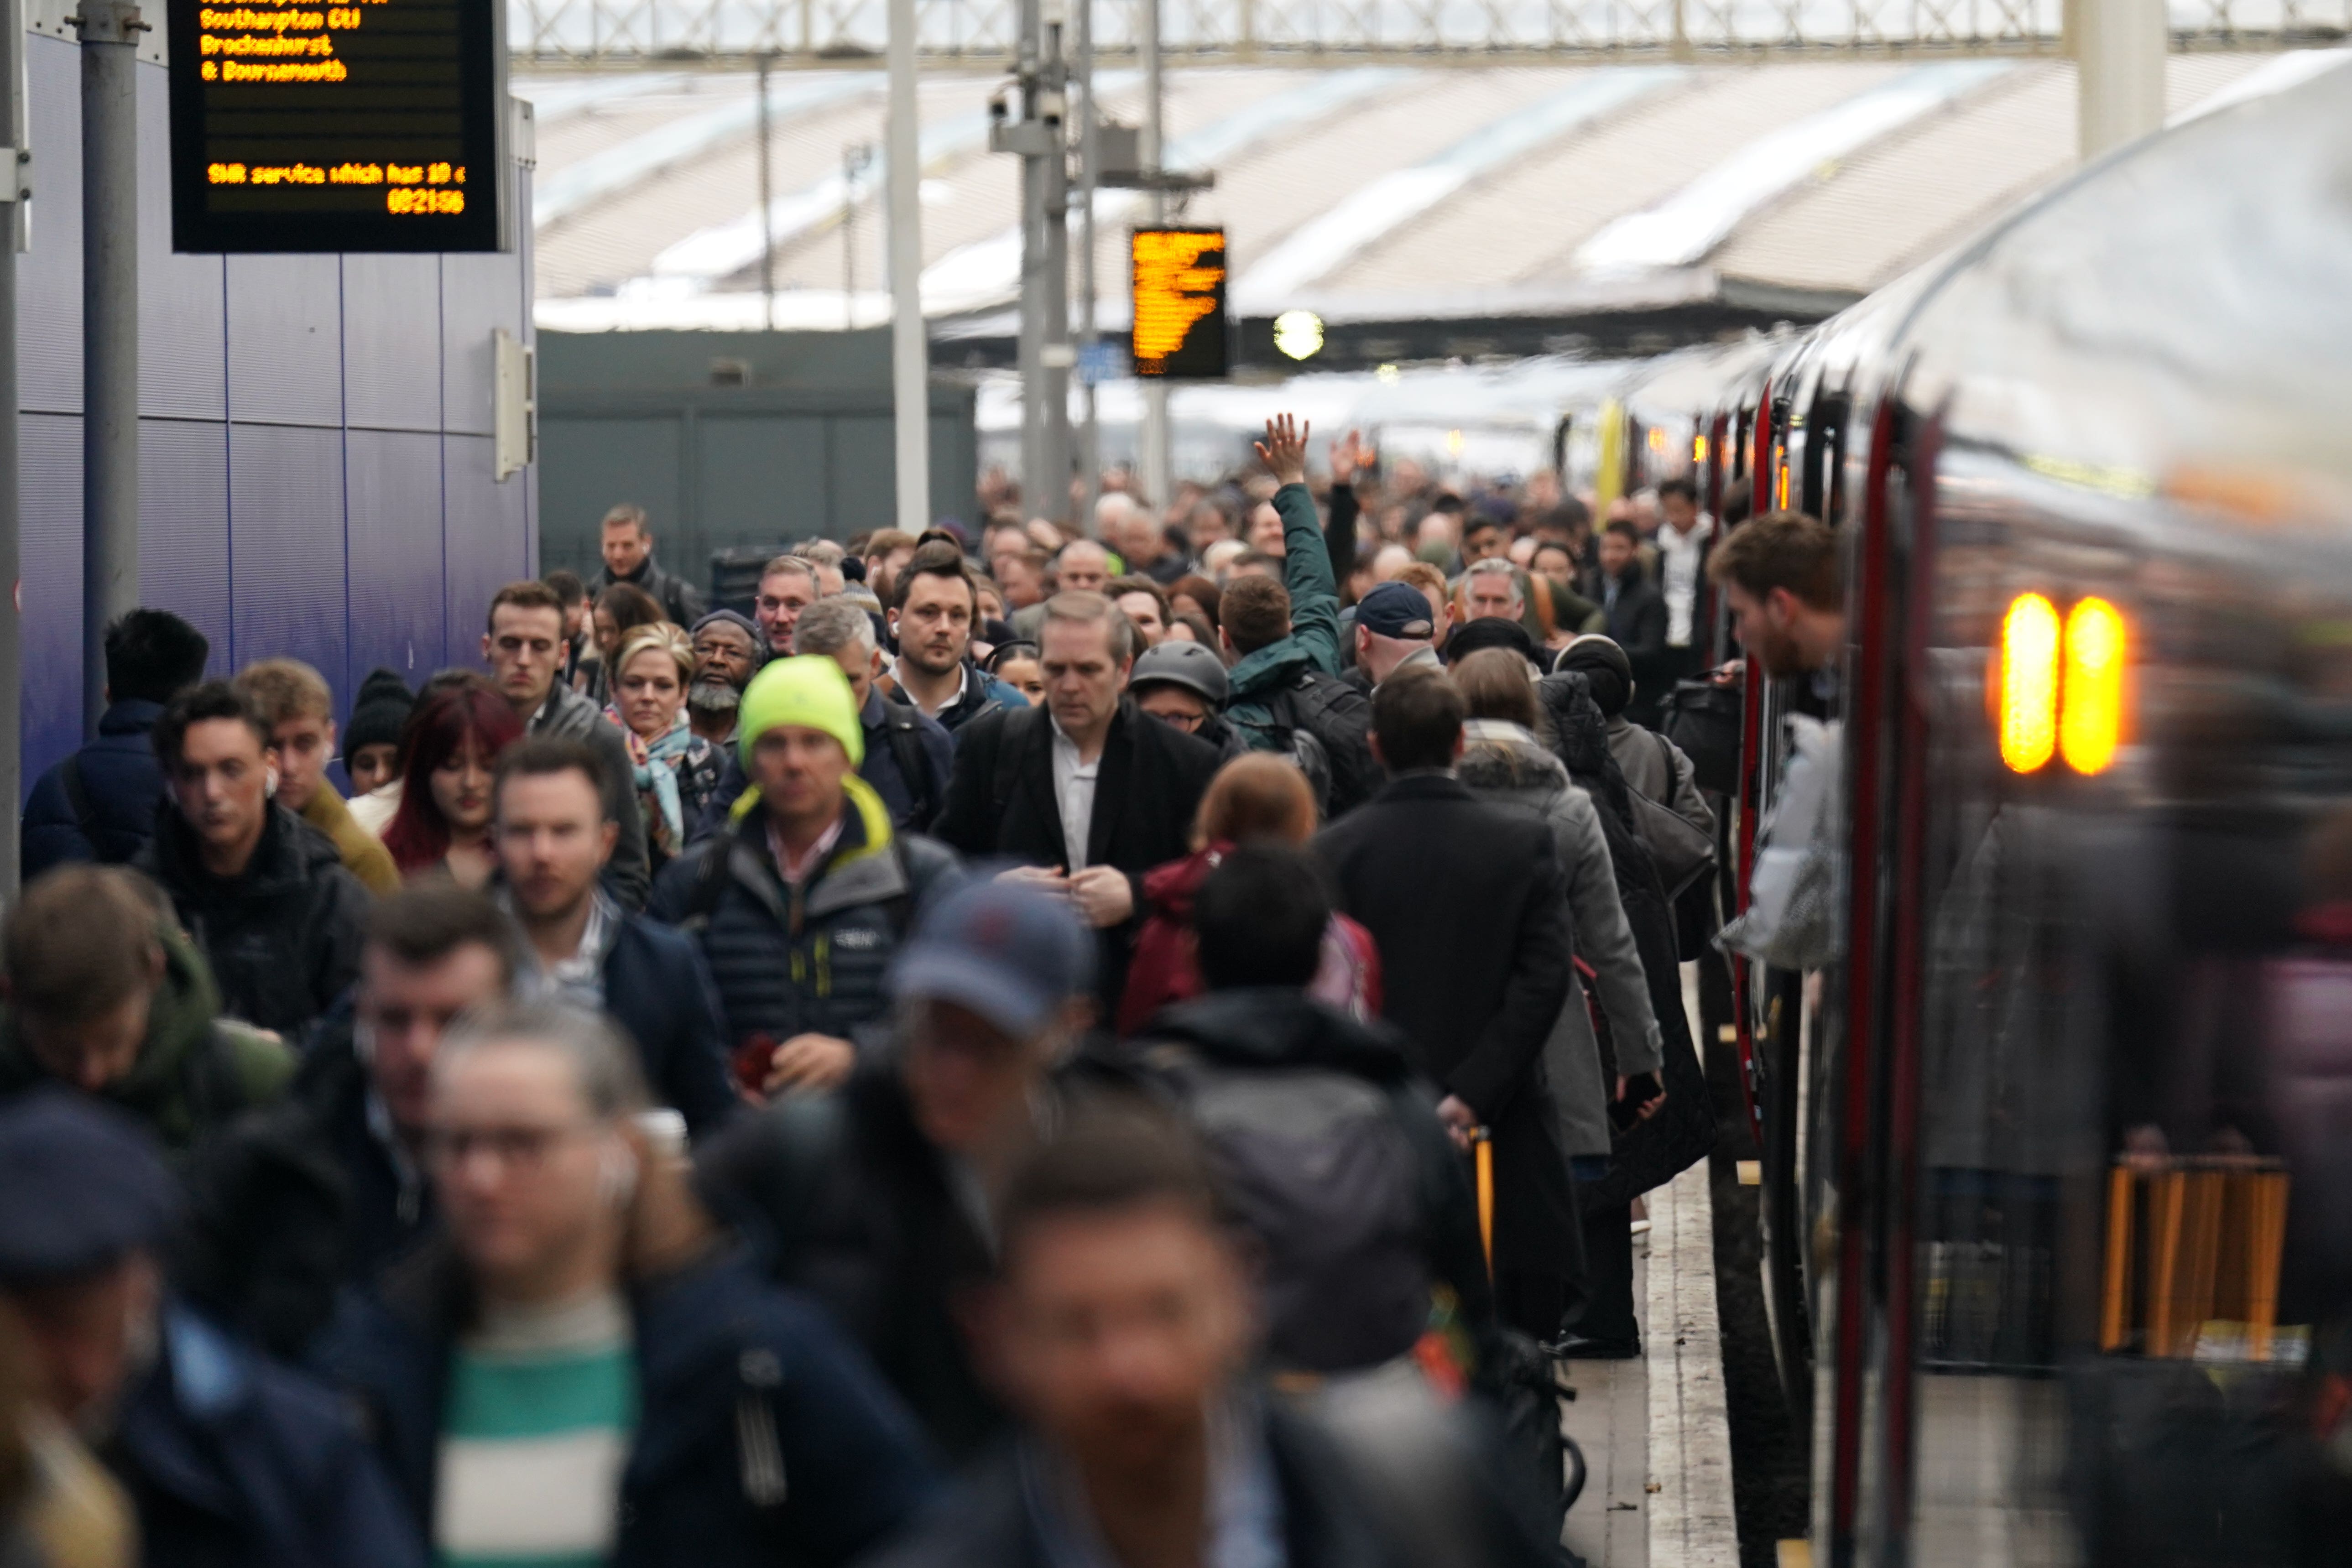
(832, 32)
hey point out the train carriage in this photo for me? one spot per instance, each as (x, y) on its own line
(2060, 1160)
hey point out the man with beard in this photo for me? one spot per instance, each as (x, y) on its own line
(932, 622)
(1779, 576)
(728, 652)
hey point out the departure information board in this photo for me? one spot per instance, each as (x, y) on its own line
(373, 125)
(1179, 332)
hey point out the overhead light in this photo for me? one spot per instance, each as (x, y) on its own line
(1388, 376)
(1299, 333)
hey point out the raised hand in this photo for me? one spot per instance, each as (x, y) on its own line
(1283, 450)
(1350, 456)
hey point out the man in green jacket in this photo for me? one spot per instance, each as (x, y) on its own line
(1287, 696)
(107, 995)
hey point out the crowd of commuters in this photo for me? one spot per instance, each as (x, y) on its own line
(974, 1057)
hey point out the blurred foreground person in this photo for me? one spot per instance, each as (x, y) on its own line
(1467, 901)
(553, 839)
(58, 1505)
(100, 803)
(264, 895)
(294, 700)
(580, 1373)
(1120, 1331)
(1349, 1179)
(328, 1187)
(227, 1456)
(800, 904)
(876, 1201)
(107, 996)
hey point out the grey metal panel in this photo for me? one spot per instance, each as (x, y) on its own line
(397, 611)
(587, 465)
(955, 465)
(487, 547)
(182, 372)
(479, 293)
(286, 339)
(762, 480)
(391, 342)
(48, 278)
(285, 543)
(860, 457)
(50, 486)
(184, 544)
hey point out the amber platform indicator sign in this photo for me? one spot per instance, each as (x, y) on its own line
(1180, 332)
(376, 125)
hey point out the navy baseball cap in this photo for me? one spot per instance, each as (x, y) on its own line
(1190, 665)
(84, 1186)
(1395, 610)
(1012, 954)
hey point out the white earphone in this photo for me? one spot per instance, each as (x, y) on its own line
(616, 1175)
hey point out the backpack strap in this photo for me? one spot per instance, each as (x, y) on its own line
(76, 788)
(903, 725)
(1009, 742)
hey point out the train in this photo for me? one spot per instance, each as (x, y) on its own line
(2056, 1156)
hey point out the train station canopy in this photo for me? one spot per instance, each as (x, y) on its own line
(1448, 210)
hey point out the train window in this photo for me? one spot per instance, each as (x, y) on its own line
(2029, 683)
(2090, 726)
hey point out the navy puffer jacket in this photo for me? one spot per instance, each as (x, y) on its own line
(808, 960)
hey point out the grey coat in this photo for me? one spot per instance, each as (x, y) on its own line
(574, 717)
(1503, 761)
(1643, 756)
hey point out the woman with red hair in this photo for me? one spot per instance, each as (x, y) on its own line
(452, 746)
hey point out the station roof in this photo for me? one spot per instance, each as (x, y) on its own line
(1369, 194)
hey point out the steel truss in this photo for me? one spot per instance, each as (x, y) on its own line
(821, 34)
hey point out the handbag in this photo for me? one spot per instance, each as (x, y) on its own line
(1705, 718)
(1683, 853)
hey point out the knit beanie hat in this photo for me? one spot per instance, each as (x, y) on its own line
(1606, 670)
(378, 712)
(808, 691)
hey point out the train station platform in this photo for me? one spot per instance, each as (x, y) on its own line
(1655, 1431)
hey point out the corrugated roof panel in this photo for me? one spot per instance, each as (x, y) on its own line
(1862, 222)
(1523, 222)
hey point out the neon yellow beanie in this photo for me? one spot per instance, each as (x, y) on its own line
(808, 691)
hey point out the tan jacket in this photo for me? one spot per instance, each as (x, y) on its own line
(363, 853)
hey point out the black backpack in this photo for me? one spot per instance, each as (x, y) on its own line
(1315, 1164)
(1337, 719)
(1706, 719)
(901, 723)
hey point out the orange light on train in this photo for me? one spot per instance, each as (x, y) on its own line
(2091, 720)
(2029, 683)
(1698, 448)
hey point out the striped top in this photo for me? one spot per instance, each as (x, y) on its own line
(542, 1407)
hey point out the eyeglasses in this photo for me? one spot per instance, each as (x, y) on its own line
(514, 1148)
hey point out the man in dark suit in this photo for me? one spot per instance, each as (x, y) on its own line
(1086, 790)
(1637, 619)
(1467, 902)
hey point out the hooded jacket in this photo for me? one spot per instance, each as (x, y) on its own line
(568, 714)
(1504, 761)
(806, 960)
(282, 940)
(194, 1074)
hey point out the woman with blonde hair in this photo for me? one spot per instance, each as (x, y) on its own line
(677, 771)
(1258, 795)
